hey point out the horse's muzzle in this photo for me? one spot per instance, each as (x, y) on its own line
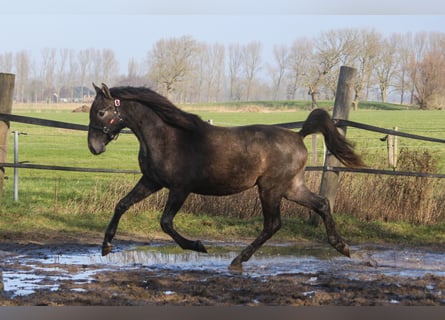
(96, 143)
(96, 148)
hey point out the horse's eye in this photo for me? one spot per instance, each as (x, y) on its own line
(101, 113)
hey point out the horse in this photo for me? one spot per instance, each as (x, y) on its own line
(185, 154)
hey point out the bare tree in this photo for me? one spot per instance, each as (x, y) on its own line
(386, 65)
(6, 62)
(22, 66)
(73, 70)
(84, 58)
(332, 48)
(430, 81)
(278, 70)
(135, 75)
(366, 49)
(404, 53)
(132, 68)
(95, 70)
(213, 57)
(401, 63)
(251, 61)
(419, 49)
(109, 65)
(48, 72)
(235, 67)
(35, 83)
(170, 61)
(61, 73)
(423, 44)
(297, 64)
(201, 72)
(218, 68)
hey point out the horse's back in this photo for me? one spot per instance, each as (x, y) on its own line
(272, 143)
(238, 157)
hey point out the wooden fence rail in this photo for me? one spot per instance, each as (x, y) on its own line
(290, 125)
(330, 169)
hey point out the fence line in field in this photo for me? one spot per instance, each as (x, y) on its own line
(289, 125)
(341, 123)
(65, 168)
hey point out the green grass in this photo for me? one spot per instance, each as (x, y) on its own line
(58, 200)
(424, 123)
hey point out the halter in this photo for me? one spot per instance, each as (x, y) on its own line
(116, 118)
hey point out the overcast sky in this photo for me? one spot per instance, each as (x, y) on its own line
(131, 27)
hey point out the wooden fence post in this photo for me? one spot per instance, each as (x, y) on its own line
(342, 105)
(392, 146)
(395, 149)
(314, 150)
(6, 97)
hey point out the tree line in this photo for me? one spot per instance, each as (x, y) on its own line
(409, 68)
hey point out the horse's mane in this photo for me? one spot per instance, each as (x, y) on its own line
(165, 109)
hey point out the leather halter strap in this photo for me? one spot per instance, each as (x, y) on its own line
(115, 119)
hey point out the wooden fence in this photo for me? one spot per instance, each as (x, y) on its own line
(290, 125)
(340, 117)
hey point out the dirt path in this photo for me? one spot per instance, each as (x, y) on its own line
(144, 285)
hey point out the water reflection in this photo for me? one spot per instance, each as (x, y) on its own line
(149, 257)
(49, 269)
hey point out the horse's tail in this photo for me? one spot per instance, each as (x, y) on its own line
(320, 121)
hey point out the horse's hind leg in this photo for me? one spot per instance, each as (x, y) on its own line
(140, 191)
(174, 202)
(270, 202)
(302, 195)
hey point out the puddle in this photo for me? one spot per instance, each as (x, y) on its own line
(45, 269)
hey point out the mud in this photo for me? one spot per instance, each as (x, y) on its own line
(72, 272)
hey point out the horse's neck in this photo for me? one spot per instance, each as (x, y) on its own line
(145, 124)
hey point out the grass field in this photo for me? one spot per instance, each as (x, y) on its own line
(56, 200)
(428, 123)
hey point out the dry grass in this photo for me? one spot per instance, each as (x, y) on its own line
(416, 200)
(367, 197)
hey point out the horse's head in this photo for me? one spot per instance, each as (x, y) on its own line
(105, 120)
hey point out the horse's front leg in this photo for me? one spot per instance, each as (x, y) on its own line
(175, 200)
(140, 191)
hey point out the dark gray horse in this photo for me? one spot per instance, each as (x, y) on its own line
(185, 154)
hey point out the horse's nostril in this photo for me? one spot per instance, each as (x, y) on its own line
(96, 148)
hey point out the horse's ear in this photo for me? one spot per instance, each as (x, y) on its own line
(96, 88)
(106, 91)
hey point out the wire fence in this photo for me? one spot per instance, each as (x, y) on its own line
(290, 125)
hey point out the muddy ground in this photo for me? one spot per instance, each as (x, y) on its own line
(146, 286)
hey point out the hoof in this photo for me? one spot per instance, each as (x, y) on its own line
(344, 250)
(106, 249)
(340, 246)
(236, 266)
(200, 247)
